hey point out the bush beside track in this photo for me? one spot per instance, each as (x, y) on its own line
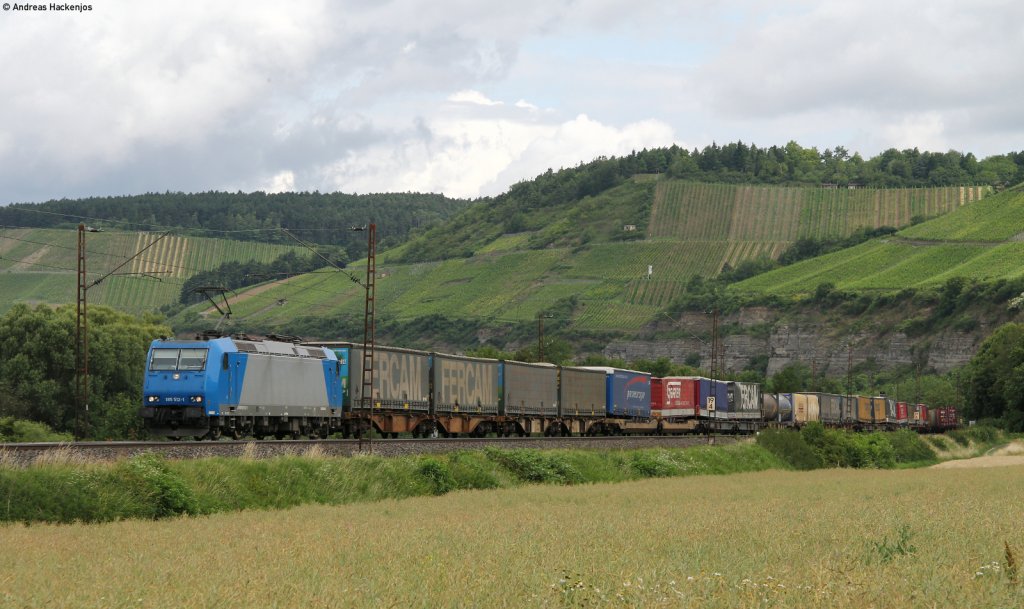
(150, 487)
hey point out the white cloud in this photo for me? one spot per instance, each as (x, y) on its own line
(468, 96)
(281, 182)
(466, 156)
(907, 70)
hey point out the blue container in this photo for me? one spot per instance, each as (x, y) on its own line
(714, 398)
(627, 392)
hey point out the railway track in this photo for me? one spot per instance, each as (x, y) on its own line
(24, 454)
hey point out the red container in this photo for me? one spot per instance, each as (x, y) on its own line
(674, 397)
(901, 412)
(944, 418)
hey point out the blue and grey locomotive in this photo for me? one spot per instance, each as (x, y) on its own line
(236, 387)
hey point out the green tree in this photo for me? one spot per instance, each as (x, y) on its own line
(994, 378)
(37, 366)
(795, 376)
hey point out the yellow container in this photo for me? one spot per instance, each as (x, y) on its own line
(806, 408)
(865, 410)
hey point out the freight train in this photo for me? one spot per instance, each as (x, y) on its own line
(242, 387)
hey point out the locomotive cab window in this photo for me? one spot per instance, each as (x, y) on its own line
(192, 359)
(178, 359)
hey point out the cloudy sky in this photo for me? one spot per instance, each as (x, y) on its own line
(466, 97)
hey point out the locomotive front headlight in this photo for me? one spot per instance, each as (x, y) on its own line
(175, 376)
(152, 399)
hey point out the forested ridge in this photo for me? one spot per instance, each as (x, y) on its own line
(326, 218)
(315, 217)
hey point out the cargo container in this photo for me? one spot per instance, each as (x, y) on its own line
(674, 397)
(885, 409)
(918, 415)
(713, 397)
(582, 392)
(850, 408)
(401, 379)
(865, 409)
(628, 392)
(743, 400)
(528, 389)
(943, 417)
(830, 408)
(902, 413)
(465, 385)
(806, 408)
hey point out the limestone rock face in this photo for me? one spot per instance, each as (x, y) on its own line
(825, 347)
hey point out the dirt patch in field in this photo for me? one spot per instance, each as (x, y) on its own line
(1011, 454)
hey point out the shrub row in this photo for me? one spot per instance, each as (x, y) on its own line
(152, 487)
(814, 447)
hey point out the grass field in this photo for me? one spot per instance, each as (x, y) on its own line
(833, 538)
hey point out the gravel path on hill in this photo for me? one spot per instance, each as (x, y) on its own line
(1011, 454)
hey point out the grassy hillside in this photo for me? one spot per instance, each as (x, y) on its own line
(40, 265)
(977, 241)
(689, 210)
(580, 250)
(323, 218)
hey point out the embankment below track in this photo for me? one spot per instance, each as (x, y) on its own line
(1003, 456)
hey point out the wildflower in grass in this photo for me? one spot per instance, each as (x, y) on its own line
(993, 568)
